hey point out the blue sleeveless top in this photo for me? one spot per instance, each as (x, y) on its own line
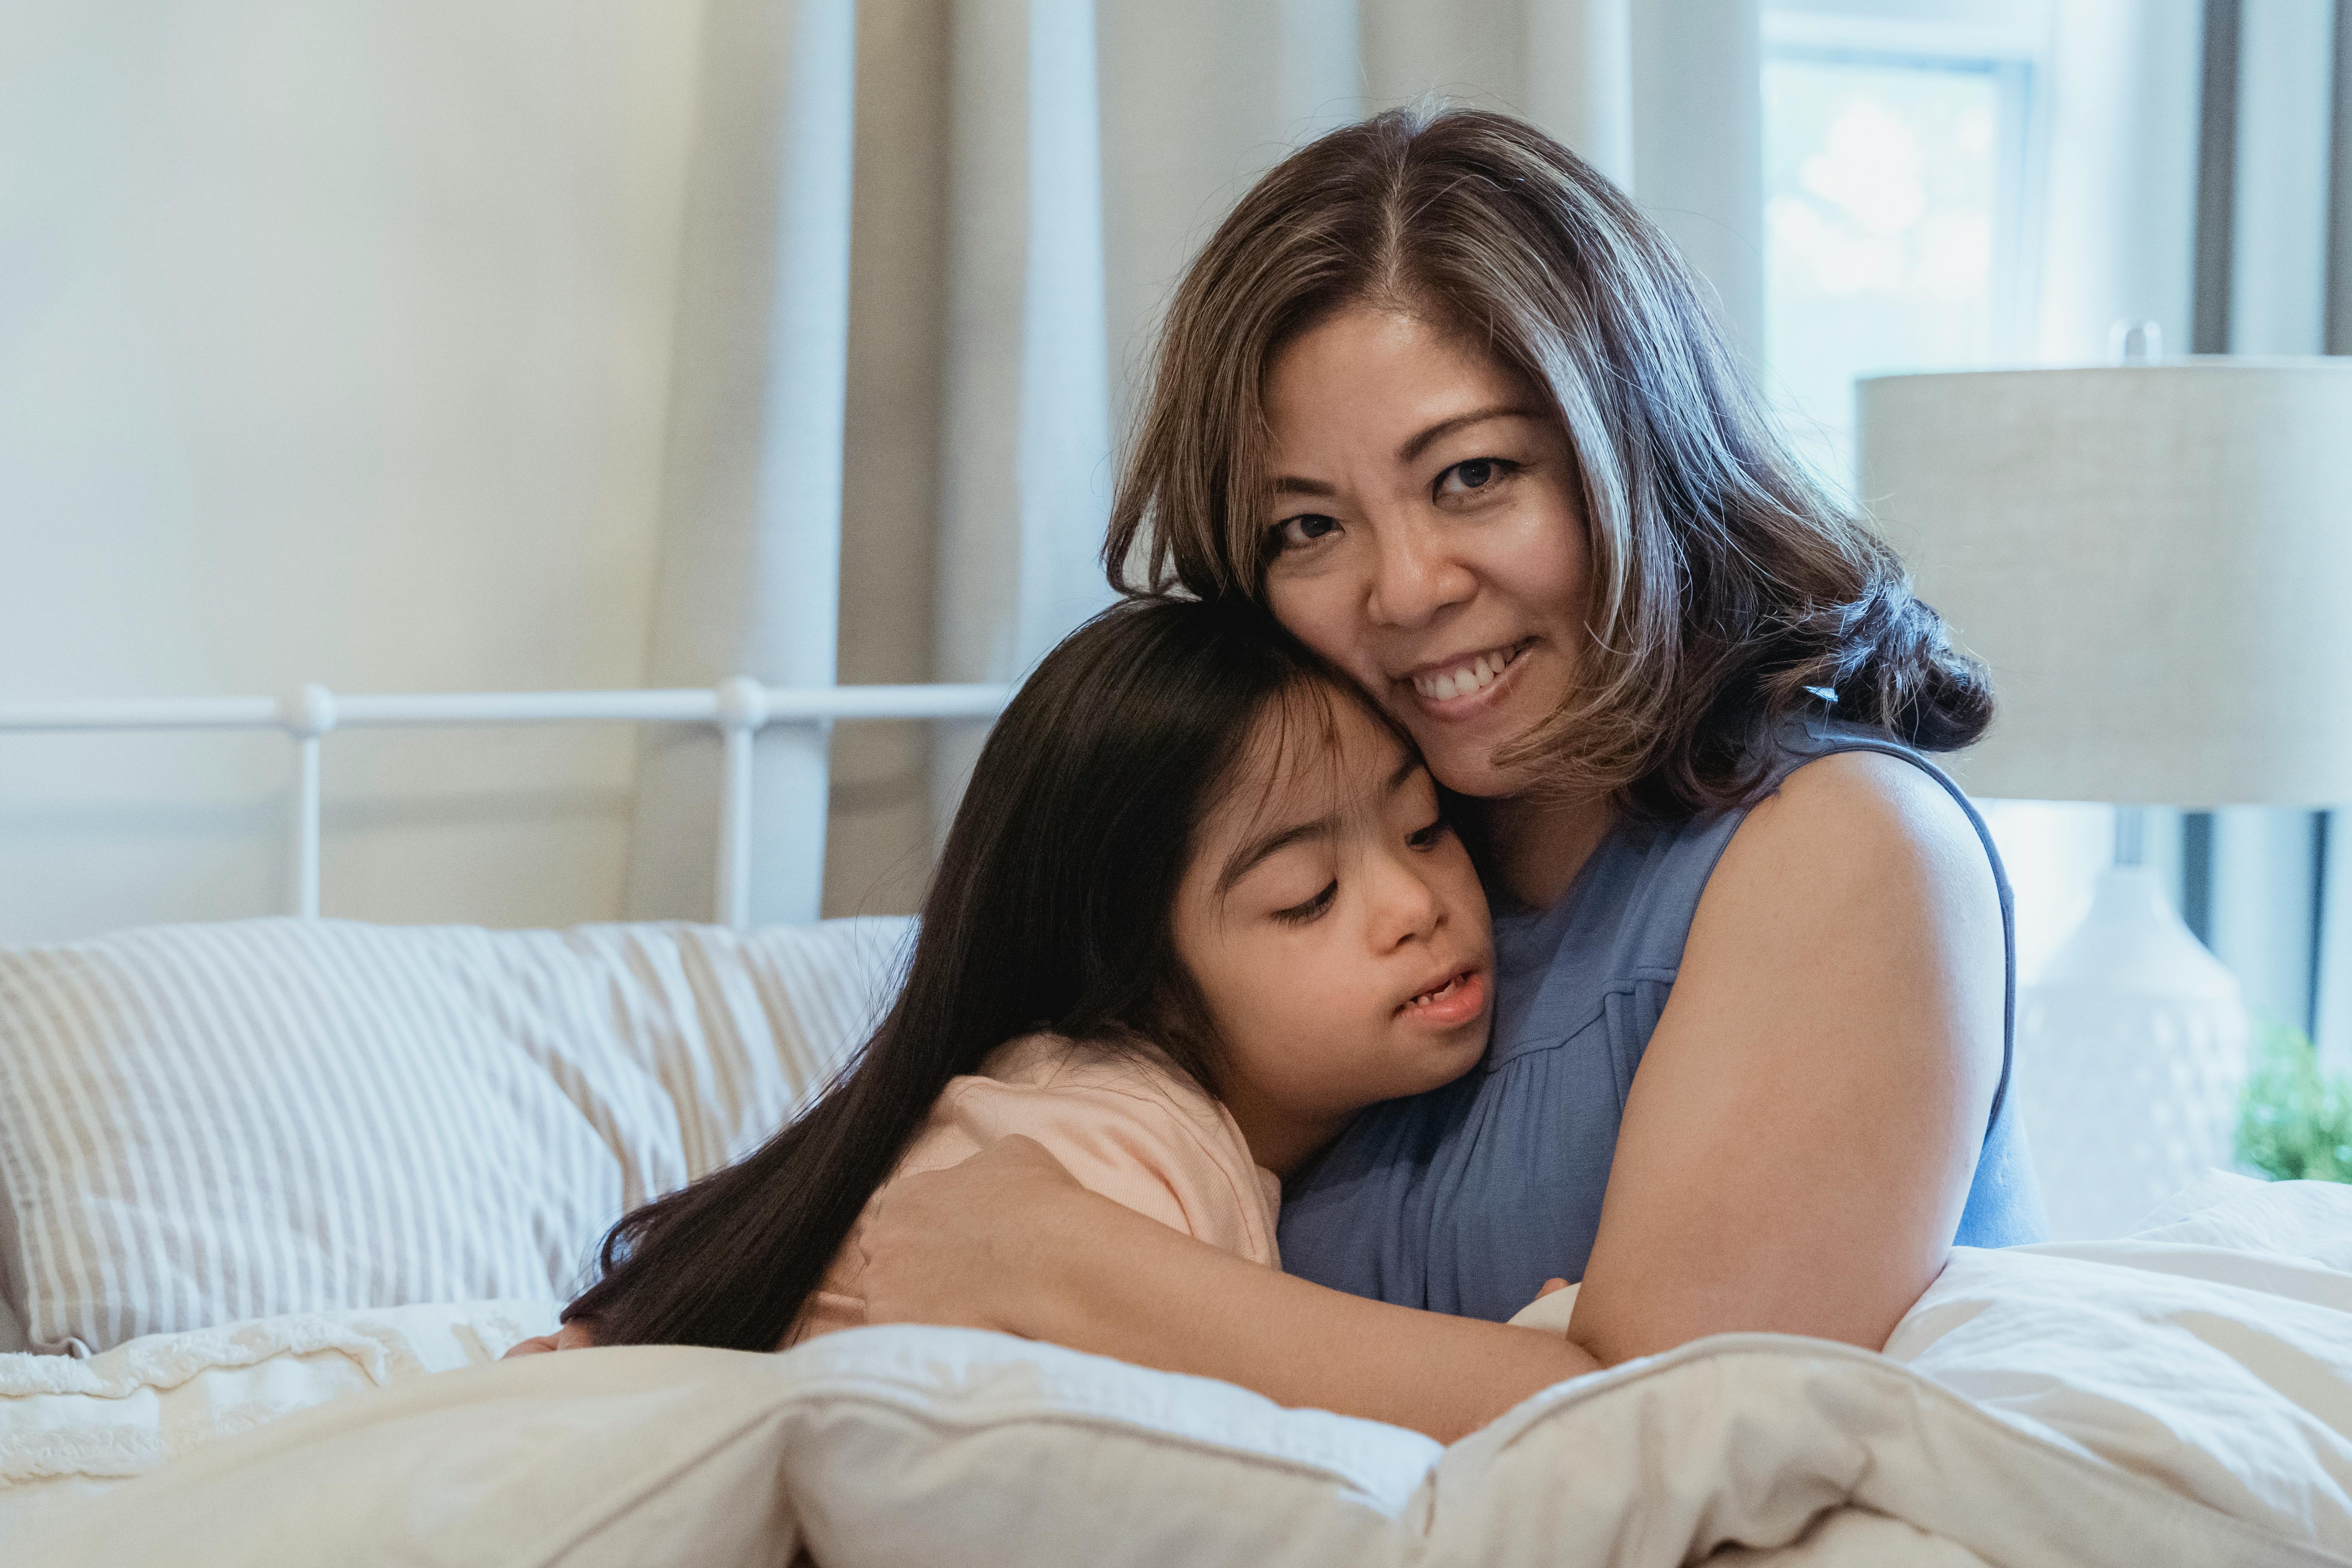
(1466, 1198)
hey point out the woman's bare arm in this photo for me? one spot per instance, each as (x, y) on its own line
(1799, 1141)
(1081, 1270)
(1794, 1154)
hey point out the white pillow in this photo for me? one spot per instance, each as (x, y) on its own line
(205, 1123)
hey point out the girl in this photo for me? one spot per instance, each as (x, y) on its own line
(1191, 863)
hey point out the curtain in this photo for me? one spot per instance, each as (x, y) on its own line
(747, 570)
(1019, 184)
(2271, 891)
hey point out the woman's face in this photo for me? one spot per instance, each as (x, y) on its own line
(1336, 928)
(1427, 535)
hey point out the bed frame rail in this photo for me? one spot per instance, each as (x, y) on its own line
(738, 707)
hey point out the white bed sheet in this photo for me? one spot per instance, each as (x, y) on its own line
(2181, 1398)
(72, 1428)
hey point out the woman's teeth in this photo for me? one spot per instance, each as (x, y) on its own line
(1477, 675)
(1445, 990)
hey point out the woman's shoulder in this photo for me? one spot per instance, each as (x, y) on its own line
(1858, 851)
(1829, 802)
(1880, 811)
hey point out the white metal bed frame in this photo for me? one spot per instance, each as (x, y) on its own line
(738, 707)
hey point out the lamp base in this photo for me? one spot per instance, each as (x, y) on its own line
(2131, 1053)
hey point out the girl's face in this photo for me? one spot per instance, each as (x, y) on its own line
(1333, 923)
(1427, 535)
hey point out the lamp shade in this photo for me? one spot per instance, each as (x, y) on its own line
(2154, 559)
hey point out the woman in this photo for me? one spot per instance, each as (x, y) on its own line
(1438, 396)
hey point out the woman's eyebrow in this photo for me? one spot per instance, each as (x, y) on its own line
(1413, 448)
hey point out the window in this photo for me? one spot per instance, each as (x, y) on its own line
(1897, 211)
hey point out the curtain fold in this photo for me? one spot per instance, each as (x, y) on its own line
(1088, 147)
(749, 563)
(2272, 914)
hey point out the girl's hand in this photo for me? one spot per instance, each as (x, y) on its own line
(575, 1335)
(970, 1245)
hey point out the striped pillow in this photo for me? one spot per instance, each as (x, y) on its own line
(205, 1123)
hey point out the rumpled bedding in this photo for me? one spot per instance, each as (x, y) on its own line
(2184, 1397)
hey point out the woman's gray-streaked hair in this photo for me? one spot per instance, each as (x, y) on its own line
(1726, 581)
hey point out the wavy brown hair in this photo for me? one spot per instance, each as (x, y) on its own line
(1728, 588)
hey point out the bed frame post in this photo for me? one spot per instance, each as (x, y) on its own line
(742, 710)
(306, 716)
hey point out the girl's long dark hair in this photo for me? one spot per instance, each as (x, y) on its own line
(1050, 910)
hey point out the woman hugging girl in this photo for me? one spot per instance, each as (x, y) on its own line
(1438, 400)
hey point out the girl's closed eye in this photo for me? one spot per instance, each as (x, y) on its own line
(1300, 914)
(1428, 838)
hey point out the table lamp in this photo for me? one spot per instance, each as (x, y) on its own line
(2155, 560)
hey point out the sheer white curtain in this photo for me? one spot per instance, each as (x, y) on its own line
(2274, 263)
(927, 247)
(748, 559)
(1029, 178)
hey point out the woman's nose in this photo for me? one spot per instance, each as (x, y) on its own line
(1414, 575)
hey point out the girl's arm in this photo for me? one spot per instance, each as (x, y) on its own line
(1794, 1155)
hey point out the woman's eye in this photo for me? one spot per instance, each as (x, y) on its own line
(1478, 474)
(1300, 914)
(1428, 836)
(1298, 532)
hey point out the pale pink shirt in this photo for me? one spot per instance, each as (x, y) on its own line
(1125, 1122)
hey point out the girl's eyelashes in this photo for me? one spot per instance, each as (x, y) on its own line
(1300, 914)
(1474, 477)
(1428, 837)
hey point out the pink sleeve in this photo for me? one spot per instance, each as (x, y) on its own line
(1126, 1130)
(1174, 1156)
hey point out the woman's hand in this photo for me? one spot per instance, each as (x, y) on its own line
(962, 1246)
(579, 1334)
(1009, 1240)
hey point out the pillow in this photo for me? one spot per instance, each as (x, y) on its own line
(206, 1123)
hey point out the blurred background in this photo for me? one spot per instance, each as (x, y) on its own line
(512, 345)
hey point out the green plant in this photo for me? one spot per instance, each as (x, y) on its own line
(2294, 1122)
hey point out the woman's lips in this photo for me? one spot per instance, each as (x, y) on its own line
(1457, 1002)
(1470, 683)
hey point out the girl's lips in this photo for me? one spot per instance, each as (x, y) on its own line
(1458, 1002)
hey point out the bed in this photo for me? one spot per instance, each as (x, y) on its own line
(276, 1195)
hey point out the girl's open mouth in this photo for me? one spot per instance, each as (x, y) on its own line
(1462, 998)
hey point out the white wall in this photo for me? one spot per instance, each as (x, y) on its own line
(334, 345)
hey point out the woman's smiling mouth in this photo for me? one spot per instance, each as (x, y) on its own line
(1467, 675)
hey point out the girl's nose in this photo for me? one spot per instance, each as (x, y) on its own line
(1405, 905)
(1414, 575)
